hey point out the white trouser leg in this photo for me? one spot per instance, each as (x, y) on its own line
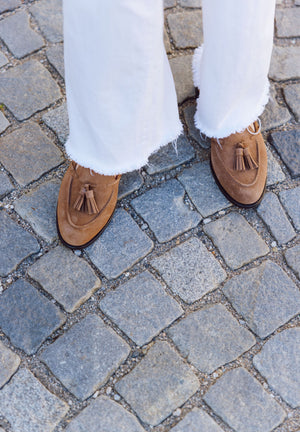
(120, 92)
(231, 68)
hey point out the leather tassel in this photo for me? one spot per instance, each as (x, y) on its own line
(78, 204)
(239, 164)
(249, 161)
(91, 204)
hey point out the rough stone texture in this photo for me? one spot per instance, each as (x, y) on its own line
(29, 406)
(158, 384)
(38, 207)
(164, 210)
(285, 63)
(141, 308)
(5, 184)
(27, 88)
(291, 201)
(182, 72)
(57, 120)
(9, 363)
(287, 143)
(17, 34)
(104, 415)
(293, 259)
(287, 22)
(275, 173)
(190, 270)
(189, 113)
(191, 3)
(129, 183)
(292, 97)
(55, 55)
(196, 421)
(6, 5)
(170, 156)
(210, 338)
(3, 59)
(74, 357)
(27, 317)
(274, 216)
(274, 114)
(15, 244)
(243, 404)
(279, 363)
(186, 29)
(4, 123)
(169, 3)
(121, 245)
(265, 296)
(68, 278)
(237, 241)
(167, 43)
(28, 147)
(202, 189)
(48, 14)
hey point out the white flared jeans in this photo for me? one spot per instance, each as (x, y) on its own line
(121, 95)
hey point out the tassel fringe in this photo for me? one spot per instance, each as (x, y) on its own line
(86, 200)
(243, 159)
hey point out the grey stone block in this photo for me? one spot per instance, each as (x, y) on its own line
(17, 34)
(27, 88)
(191, 3)
(285, 63)
(279, 363)
(38, 208)
(7, 5)
(265, 296)
(27, 317)
(169, 3)
(210, 338)
(9, 363)
(196, 421)
(292, 97)
(68, 278)
(28, 153)
(293, 259)
(29, 406)
(274, 216)
(274, 114)
(55, 55)
(164, 210)
(141, 308)
(291, 200)
(167, 43)
(85, 356)
(202, 189)
(48, 14)
(237, 241)
(287, 22)
(3, 59)
(170, 156)
(287, 143)
(104, 415)
(5, 184)
(186, 28)
(4, 123)
(189, 113)
(121, 245)
(181, 67)
(190, 270)
(275, 173)
(57, 120)
(158, 384)
(15, 244)
(243, 404)
(129, 183)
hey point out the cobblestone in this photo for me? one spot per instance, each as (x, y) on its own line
(195, 421)
(274, 216)
(279, 363)
(190, 270)
(141, 308)
(48, 14)
(74, 357)
(121, 245)
(29, 406)
(265, 296)
(237, 241)
(169, 3)
(284, 63)
(274, 114)
(57, 120)
(27, 317)
(105, 415)
(27, 88)
(293, 259)
(210, 338)
(17, 34)
(181, 67)
(292, 97)
(55, 56)
(186, 29)
(189, 113)
(243, 404)
(5, 184)
(164, 210)
(158, 384)
(288, 146)
(291, 201)
(4, 123)
(69, 279)
(6, 5)
(3, 59)
(275, 173)
(9, 363)
(129, 183)
(15, 244)
(287, 22)
(191, 3)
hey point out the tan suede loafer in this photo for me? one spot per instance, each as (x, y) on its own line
(239, 165)
(86, 203)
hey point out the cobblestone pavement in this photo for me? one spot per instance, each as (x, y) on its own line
(184, 315)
